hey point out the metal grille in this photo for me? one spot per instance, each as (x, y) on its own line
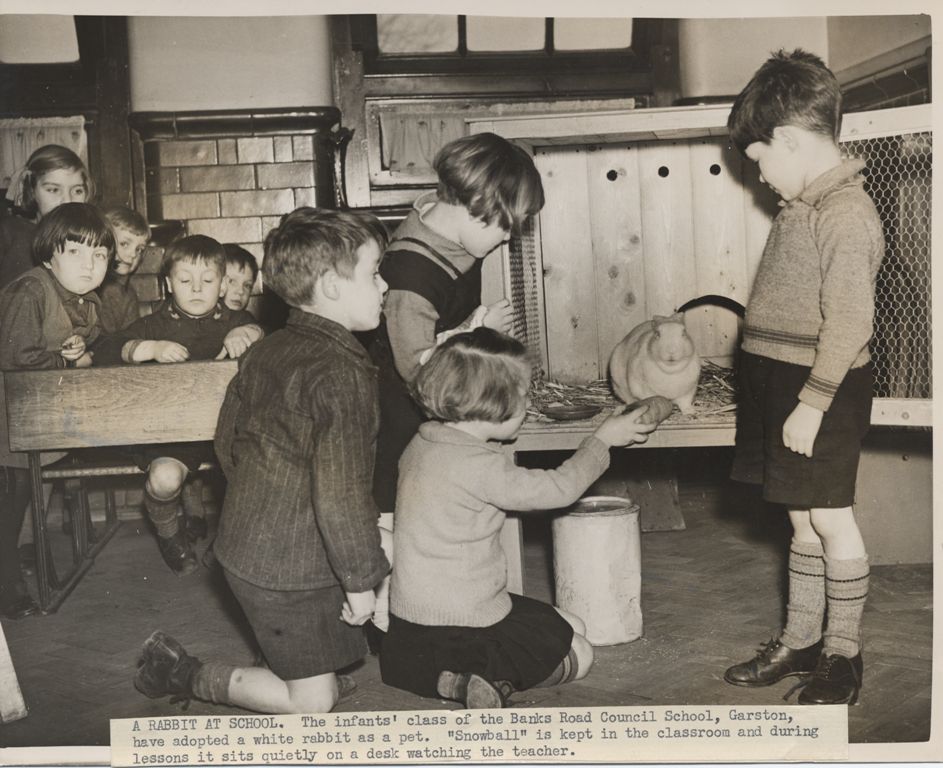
(899, 181)
(524, 276)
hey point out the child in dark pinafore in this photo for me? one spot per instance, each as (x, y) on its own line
(805, 373)
(487, 189)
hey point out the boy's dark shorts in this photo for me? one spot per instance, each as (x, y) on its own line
(768, 393)
(300, 633)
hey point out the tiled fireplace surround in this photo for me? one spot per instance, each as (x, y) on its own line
(230, 175)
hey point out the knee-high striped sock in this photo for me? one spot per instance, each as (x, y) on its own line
(846, 588)
(566, 671)
(806, 608)
(162, 512)
(211, 682)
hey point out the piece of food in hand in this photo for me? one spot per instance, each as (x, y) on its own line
(659, 409)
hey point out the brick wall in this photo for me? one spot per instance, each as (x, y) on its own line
(231, 174)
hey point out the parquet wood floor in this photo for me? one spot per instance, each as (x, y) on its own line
(711, 594)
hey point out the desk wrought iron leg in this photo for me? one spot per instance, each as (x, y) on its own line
(111, 512)
(44, 564)
(74, 494)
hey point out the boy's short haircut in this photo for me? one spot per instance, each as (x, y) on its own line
(480, 375)
(310, 241)
(120, 216)
(73, 222)
(493, 179)
(191, 250)
(236, 254)
(788, 89)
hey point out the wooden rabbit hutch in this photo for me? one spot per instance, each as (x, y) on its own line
(650, 210)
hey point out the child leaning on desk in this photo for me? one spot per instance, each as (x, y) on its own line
(192, 324)
(455, 630)
(48, 319)
(298, 537)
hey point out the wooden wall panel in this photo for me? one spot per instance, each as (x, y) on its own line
(667, 230)
(719, 246)
(569, 277)
(616, 221)
(631, 230)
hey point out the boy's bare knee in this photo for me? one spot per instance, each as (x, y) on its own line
(165, 477)
(584, 656)
(312, 694)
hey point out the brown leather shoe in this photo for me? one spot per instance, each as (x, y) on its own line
(836, 680)
(774, 662)
(177, 553)
(473, 690)
(166, 669)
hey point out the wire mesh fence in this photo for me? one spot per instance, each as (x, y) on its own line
(898, 178)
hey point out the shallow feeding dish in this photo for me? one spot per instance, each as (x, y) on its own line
(570, 412)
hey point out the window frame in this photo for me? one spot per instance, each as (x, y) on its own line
(547, 62)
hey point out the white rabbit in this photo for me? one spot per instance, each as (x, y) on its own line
(657, 357)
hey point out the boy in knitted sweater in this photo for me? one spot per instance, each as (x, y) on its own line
(455, 630)
(805, 380)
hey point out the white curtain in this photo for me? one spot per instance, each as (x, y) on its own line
(20, 137)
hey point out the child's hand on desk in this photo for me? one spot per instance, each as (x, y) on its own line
(238, 340)
(73, 348)
(499, 316)
(170, 352)
(85, 361)
(358, 607)
(625, 428)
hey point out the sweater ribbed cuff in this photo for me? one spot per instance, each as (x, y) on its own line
(598, 449)
(815, 398)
